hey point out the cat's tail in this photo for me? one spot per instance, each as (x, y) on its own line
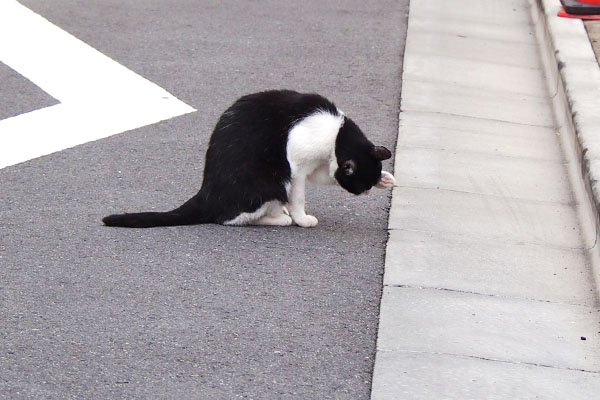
(188, 214)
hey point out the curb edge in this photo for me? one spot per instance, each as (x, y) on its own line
(573, 78)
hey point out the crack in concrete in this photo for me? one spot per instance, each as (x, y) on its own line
(533, 364)
(563, 203)
(487, 295)
(475, 117)
(497, 240)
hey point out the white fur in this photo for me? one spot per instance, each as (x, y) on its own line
(276, 215)
(311, 154)
(247, 218)
(387, 180)
(270, 213)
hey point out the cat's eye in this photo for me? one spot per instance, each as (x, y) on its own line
(349, 167)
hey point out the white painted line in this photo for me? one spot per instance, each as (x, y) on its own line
(98, 96)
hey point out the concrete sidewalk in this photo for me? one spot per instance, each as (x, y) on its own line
(490, 281)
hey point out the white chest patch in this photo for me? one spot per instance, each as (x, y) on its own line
(311, 146)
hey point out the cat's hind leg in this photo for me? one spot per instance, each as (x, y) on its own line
(275, 216)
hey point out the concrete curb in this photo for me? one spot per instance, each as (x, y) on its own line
(492, 217)
(573, 78)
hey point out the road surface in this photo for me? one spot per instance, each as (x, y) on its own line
(207, 312)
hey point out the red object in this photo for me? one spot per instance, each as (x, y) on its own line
(562, 13)
(594, 2)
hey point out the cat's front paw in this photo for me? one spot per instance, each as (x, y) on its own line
(387, 180)
(306, 221)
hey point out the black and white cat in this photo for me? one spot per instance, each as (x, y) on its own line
(263, 150)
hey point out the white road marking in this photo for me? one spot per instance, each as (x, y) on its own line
(98, 96)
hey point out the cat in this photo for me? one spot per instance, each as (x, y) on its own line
(263, 150)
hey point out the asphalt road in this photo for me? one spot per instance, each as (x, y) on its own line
(18, 95)
(203, 312)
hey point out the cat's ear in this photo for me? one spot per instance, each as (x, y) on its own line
(349, 167)
(380, 153)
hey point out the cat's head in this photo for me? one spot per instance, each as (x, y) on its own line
(359, 161)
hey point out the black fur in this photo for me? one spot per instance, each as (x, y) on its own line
(352, 146)
(246, 161)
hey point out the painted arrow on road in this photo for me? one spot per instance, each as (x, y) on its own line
(98, 96)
